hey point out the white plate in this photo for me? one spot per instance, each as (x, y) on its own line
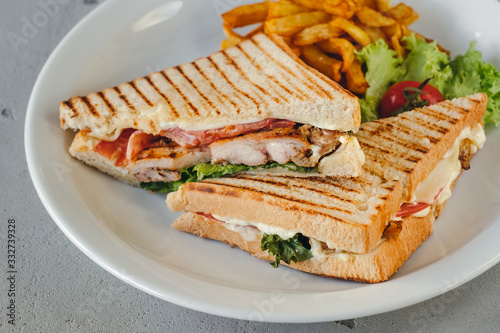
(127, 230)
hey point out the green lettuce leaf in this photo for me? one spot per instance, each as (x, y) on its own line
(383, 68)
(208, 170)
(294, 249)
(369, 106)
(424, 61)
(472, 75)
(465, 75)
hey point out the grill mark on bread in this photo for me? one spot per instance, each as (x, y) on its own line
(384, 161)
(124, 99)
(301, 94)
(288, 198)
(219, 92)
(401, 125)
(144, 98)
(386, 135)
(322, 180)
(297, 185)
(184, 97)
(315, 88)
(107, 102)
(90, 106)
(408, 147)
(69, 104)
(153, 85)
(429, 125)
(429, 111)
(210, 103)
(272, 78)
(254, 101)
(233, 63)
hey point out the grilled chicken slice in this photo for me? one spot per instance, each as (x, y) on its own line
(159, 164)
(281, 145)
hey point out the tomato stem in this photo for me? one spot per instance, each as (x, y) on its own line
(413, 98)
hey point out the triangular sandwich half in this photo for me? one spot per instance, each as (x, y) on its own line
(359, 229)
(250, 106)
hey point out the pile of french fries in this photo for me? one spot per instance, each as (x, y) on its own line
(325, 33)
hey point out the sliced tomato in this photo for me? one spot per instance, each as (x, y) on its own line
(208, 216)
(116, 149)
(408, 209)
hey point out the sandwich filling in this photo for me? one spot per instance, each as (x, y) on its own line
(175, 155)
(436, 187)
(291, 245)
(285, 244)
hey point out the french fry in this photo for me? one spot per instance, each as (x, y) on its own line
(345, 8)
(293, 48)
(233, 37)
(393, 30)
(316, 58)
(403, 14)
(284, 8)
(396, 45)
(372, 18)
(317, 33)
(355, 79)
(374, 33)
(312, 4)
(352, 30)
(246, 15)
(383, 5)
(290, 25)
(343, 48)
(370, 3)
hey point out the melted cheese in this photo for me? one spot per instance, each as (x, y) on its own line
(319, 250)
(436, 188)
(264, 228)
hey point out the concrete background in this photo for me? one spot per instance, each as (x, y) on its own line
(59, 289)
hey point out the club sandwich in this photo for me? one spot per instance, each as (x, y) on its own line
(360, 229)
(251, 106)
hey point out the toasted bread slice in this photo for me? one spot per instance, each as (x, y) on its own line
(246, 83)
(401, 239)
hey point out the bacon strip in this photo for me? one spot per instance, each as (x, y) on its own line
(132, 141)
(202, 138)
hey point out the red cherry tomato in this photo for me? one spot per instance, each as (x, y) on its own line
(394, 98)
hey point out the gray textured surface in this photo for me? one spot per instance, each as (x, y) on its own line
(59, 289)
